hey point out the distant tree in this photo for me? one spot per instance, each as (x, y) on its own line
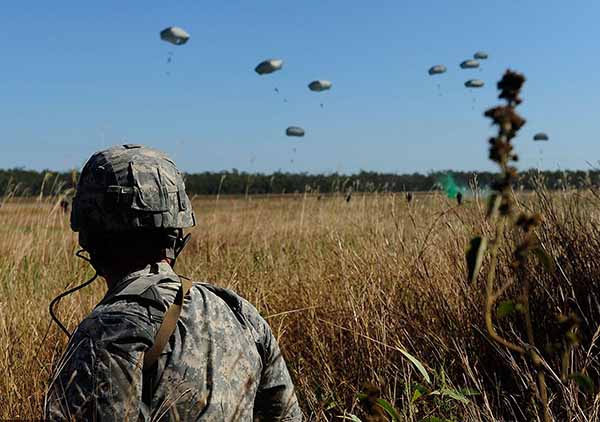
(29, 182)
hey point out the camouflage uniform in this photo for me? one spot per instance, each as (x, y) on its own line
(222, 362)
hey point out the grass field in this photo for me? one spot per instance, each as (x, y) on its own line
(349, 288)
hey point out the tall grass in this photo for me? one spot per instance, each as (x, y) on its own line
(349, 288)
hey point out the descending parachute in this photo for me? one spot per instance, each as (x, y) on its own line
(268, 66)
(437, 69)
(541, 136)
(174, 35)
(294, 131)
(474, 83)
(319, 86)
(480, 55)
(469, 64)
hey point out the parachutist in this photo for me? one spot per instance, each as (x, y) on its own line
(474, 83)
(469, 64)
(438, 69)
(318, 86)
(174, 35)
(294, 131)
(268, 66)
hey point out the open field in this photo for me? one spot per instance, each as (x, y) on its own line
(348, 287)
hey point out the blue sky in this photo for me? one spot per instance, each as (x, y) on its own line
(80, 76)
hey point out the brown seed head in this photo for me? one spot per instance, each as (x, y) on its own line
(528, 222)
(374, 411)
(510, 86)
(506, 118)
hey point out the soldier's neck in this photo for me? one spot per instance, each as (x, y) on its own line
(117, 273)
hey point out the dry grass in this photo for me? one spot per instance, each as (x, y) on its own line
(345, 287)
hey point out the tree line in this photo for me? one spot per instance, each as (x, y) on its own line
(22, 182)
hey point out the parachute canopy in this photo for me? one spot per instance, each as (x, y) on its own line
(474, 83)
(469, 64)
(480, 55)
(437, 69)
(319, 86)
(268, 66)
(174, 35)
(294, 131)
(541, 136)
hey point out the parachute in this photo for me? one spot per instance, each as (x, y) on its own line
(480, 55)
(541, 136)
(174, 35)
(474, 83)
(469, 64)
(437, 69)
(318, 86)
(294, 131)
(268, 66)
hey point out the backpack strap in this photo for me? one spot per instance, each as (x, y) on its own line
(168, 325)
(143, 290)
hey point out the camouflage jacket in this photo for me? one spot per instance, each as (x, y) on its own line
(221, 364)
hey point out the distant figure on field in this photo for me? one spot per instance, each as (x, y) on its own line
(159, 346)
(64, 205)
(409, 197)
(349, 195)
(459, 198)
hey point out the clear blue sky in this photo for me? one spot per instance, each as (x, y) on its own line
(78, 76)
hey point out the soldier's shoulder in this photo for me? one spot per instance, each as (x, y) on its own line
(239, 305)
(118, 319)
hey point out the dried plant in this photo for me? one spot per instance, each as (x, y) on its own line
(502, 212)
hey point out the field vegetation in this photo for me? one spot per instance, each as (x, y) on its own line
(369, 298)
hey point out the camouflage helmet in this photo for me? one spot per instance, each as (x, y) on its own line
(130, 187)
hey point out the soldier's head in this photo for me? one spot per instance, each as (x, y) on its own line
(130, 209)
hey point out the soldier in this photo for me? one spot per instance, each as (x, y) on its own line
(64, 205)
(159, 346)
